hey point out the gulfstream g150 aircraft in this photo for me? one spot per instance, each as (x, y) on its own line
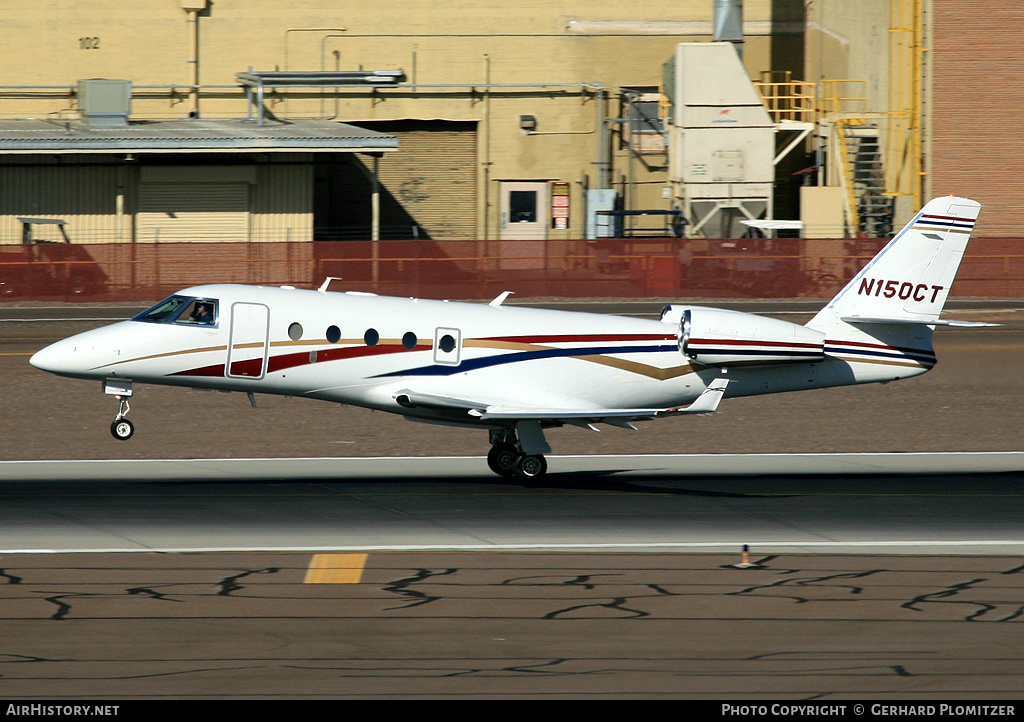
(517, 372)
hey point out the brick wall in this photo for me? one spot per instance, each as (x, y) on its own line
(978, 109)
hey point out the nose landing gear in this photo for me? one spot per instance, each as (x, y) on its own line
(121, 428)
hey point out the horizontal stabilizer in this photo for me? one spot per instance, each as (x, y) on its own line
(958, 324)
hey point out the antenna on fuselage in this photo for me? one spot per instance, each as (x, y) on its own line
(327, 282)
(501, 298)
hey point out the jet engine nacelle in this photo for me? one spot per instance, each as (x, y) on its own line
(715, 337)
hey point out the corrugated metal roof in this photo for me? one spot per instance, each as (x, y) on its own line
(170, 136)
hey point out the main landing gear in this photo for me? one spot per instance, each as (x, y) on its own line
(508, 457)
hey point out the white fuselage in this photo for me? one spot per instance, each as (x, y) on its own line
(363, 350)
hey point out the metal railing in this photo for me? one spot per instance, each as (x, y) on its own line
(787, 99)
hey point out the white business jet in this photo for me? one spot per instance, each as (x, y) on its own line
(518, 371)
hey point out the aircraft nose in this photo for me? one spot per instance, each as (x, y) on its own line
(49, 358)
(69, 357)
(84, 355)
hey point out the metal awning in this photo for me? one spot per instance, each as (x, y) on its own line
(191, 136)
(256, 82)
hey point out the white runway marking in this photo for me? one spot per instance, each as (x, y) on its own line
(675, 465)
(756, 547)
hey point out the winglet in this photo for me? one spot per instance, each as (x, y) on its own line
(708, 400)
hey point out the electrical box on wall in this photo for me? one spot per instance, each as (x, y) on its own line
(600, 225)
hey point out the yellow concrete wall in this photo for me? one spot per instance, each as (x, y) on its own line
(58, 42)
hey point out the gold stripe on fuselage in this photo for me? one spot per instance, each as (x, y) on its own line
(634, 367)
(168, 354)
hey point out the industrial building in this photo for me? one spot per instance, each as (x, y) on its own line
(189, 120)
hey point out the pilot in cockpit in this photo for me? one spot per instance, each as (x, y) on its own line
(201, 315)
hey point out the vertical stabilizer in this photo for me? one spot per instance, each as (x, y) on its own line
(909, 280)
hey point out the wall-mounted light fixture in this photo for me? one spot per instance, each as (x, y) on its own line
(528, 123)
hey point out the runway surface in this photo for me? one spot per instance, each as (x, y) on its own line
(637, 504)
(871, 577)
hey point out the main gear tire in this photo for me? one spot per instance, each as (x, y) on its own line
(531, 468)
(502, 459)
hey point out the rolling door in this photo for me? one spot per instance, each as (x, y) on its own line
(175, 212)
(434, 176)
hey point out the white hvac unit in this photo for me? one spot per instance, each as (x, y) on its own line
(722, 140)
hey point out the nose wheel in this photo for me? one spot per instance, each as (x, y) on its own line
(121, 428)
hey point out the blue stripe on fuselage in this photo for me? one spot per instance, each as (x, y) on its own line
(509, 358)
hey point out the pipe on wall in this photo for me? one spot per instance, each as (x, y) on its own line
(193, 8)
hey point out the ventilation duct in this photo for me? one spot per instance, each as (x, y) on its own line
(728, 21)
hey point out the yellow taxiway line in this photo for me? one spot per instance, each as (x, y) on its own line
(336, 568)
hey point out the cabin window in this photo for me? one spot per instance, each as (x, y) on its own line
(446, 346)
(295, 331)
(409, 340)
(200, 312)
(371, 337)
(333, 334)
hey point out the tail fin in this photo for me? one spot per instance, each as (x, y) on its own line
(909, 280)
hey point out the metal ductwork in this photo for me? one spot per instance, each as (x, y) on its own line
(728, 21)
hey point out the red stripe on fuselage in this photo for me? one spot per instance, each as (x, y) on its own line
(291, 360)
(741, 342)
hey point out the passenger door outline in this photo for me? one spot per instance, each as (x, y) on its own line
(248, 343)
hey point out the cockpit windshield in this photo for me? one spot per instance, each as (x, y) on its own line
(184, 310)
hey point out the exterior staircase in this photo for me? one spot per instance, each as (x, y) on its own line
(871, 208)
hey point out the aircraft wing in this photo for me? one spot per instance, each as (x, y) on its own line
(706, 403)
